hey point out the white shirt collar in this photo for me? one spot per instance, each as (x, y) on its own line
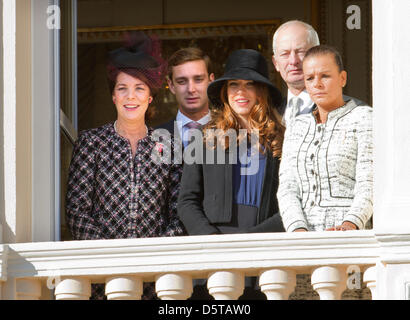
(307, 101)
(182, 120)
(306, 107)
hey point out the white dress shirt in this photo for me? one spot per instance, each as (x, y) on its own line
(305, 107)
(182, 120)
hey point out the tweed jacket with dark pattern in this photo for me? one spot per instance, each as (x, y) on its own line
(110, 195)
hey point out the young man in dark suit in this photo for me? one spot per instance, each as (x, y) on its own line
(188, 78)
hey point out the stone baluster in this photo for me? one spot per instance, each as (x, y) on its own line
(172, 286)
(123, 288)
(28, 289)
(73, 289)
(226, 285)
(369, 277)
(277, 284)
(329, 282)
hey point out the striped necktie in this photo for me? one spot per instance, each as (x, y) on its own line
(294, 108)
(190, 125)
(193, 125)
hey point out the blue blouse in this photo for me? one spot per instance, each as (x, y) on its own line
(247, 185)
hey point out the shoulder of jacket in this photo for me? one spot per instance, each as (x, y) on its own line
(362, 112)
(96, 134)
(363, 109)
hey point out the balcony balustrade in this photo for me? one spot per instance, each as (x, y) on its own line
(29, 270)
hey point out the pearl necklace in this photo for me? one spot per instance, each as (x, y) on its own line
(115, 128)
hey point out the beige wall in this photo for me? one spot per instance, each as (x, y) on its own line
(16, 184)
(23, 125)
(2, 190)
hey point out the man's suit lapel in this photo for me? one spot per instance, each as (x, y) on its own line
(268, 181)
(228, 186)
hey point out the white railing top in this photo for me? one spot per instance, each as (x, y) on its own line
(197, 255)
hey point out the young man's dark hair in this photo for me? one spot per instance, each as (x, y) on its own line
(185, 55)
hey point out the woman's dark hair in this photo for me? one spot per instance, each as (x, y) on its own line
(323, 50)
(113, 71)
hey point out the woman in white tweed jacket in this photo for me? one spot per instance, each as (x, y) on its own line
(326, 177)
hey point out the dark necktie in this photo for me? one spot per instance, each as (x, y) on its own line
(190, 125)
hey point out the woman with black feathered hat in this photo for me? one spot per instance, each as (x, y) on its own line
(224, 198)
(115, 188)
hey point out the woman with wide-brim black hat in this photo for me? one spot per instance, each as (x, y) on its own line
(115, 187)
(233, 197)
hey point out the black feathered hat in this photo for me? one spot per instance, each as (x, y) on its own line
(134, 56)
(244, 64)
(142, 54)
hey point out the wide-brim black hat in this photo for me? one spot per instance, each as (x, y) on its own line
(244, 64)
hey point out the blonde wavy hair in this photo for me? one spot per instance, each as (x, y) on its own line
(263, 117)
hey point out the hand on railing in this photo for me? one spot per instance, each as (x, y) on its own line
(346, 225)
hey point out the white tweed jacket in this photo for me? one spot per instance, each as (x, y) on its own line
(326, 172)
